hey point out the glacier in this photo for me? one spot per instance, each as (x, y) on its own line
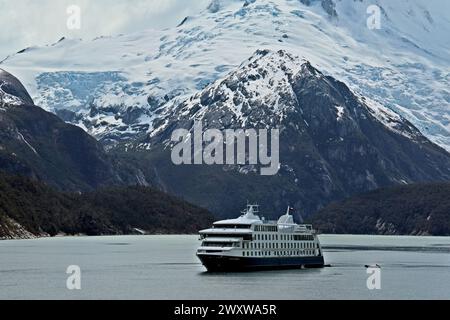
(115, 87)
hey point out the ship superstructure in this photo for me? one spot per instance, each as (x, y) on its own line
(249, 242)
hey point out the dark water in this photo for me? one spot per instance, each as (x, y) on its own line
(165, 267)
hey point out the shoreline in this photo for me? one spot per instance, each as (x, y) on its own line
(62, 236)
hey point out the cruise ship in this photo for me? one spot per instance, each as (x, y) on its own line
(252, 243)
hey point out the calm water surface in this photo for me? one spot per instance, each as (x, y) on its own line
(165, 267)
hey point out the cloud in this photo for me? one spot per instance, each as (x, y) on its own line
(38, 22)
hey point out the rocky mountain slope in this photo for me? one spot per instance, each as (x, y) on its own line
(333, 142)
(115, 87)
(38, 144)
(420, 209)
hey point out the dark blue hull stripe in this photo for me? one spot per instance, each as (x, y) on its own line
(226, 263)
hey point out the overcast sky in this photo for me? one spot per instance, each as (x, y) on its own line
(25, 23)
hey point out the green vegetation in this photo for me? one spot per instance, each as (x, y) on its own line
(420, 209)
(40, 210)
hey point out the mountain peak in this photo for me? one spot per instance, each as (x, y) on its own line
(258, 92)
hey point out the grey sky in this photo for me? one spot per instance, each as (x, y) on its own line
(26, 23)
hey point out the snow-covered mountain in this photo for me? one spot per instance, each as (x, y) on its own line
(333, 143)
(116, 87)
